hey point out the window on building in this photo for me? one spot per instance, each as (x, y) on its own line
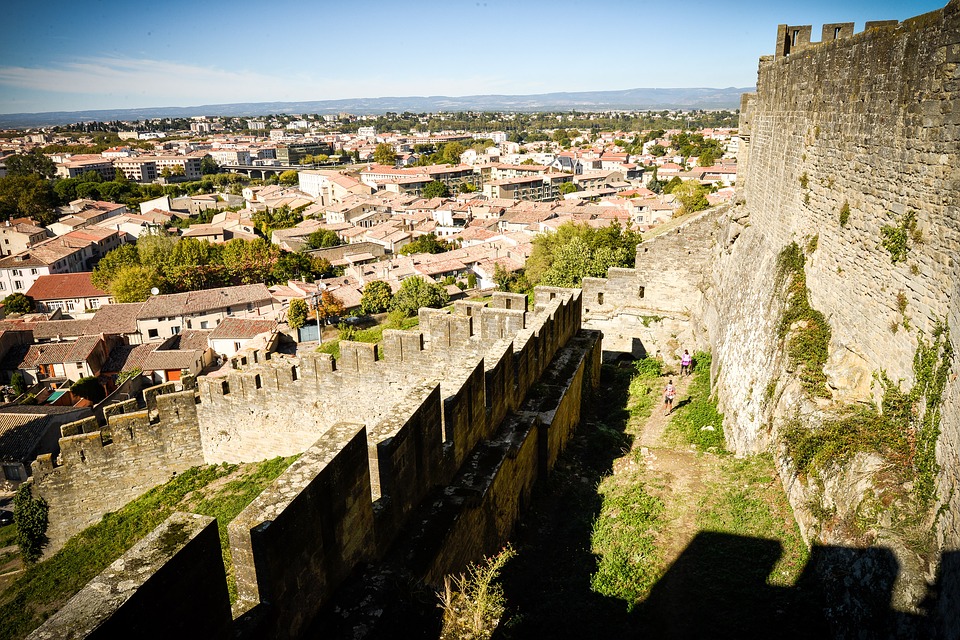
(204, 324)
(153, 333)
(17, 284)
(174, 330)
(33, 272)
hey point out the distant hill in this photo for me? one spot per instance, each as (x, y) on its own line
(696, 98)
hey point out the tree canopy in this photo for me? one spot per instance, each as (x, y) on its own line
(18, 303)
(577, 251)
(297, 313)
(427, 243)
(376, 297)
(323, 238)
(415, 292)
(692, 196)
(384, 154)
(436, 189)
(130, 271)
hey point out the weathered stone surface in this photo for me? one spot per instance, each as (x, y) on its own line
(170, 584)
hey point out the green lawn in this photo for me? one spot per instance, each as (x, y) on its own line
(47, 585)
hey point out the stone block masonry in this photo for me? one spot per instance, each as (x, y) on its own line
(102, 470)
(176, 568)
(441, 415)
(867, 123)
(299, 539)
(850, 148)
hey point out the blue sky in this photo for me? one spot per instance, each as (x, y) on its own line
(112, 54)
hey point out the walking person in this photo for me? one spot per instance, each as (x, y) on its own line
(668, 395)
(685, 363)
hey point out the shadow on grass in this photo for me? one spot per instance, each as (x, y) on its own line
(717, 588)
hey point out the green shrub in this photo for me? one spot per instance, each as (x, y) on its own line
(809, 339)
(844, 214)
(897, 238)
(30, 515)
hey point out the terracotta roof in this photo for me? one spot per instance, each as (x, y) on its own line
(240, 328)
(194, 302)
(65, 285)
(49, 329)
(115, 318)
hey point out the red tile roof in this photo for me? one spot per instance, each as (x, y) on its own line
(65, 285)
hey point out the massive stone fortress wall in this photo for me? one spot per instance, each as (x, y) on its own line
(467, 422)
(870, 121)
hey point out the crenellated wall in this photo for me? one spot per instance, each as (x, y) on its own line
(101, 470)
(455, 418)
(843, 138)
(866, 123)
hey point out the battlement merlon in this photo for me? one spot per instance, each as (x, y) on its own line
(795, 38)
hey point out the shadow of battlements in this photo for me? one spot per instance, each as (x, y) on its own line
(718, 588)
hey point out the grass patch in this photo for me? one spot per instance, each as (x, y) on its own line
(47, 585)
(8, 535)
(644, 392)
(228, 501)
(748, 501)
(371, 335)
(696, 419)
(806, 330)
(623, 539)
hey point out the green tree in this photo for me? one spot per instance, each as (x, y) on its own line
(18, 383)
(155, 249)
(133, 283)
(451, 152)
(323, 238)
(66, 189)
(297, 313)
(376, 297)
(692, 196)
(18, 303)
(89, 388)
(673, 183)
(435, 189)
(706, 159)
(107, 267)
(567, 187)
(28, 195)
(89, 190)
(576, 251)
(249, 261)
(415, 292)
(384, 154)
(427, 243)
(30, 517)
(209, 166)
(30, 164)
(289, 178)
(657, 150)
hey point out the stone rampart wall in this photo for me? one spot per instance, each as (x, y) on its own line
(176, 568)
(869, 121)
(102, 470)
(450, 430)
(656, 308)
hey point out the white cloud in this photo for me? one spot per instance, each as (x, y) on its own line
(110, 82)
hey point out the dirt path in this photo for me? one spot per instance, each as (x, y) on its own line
(677, 473)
